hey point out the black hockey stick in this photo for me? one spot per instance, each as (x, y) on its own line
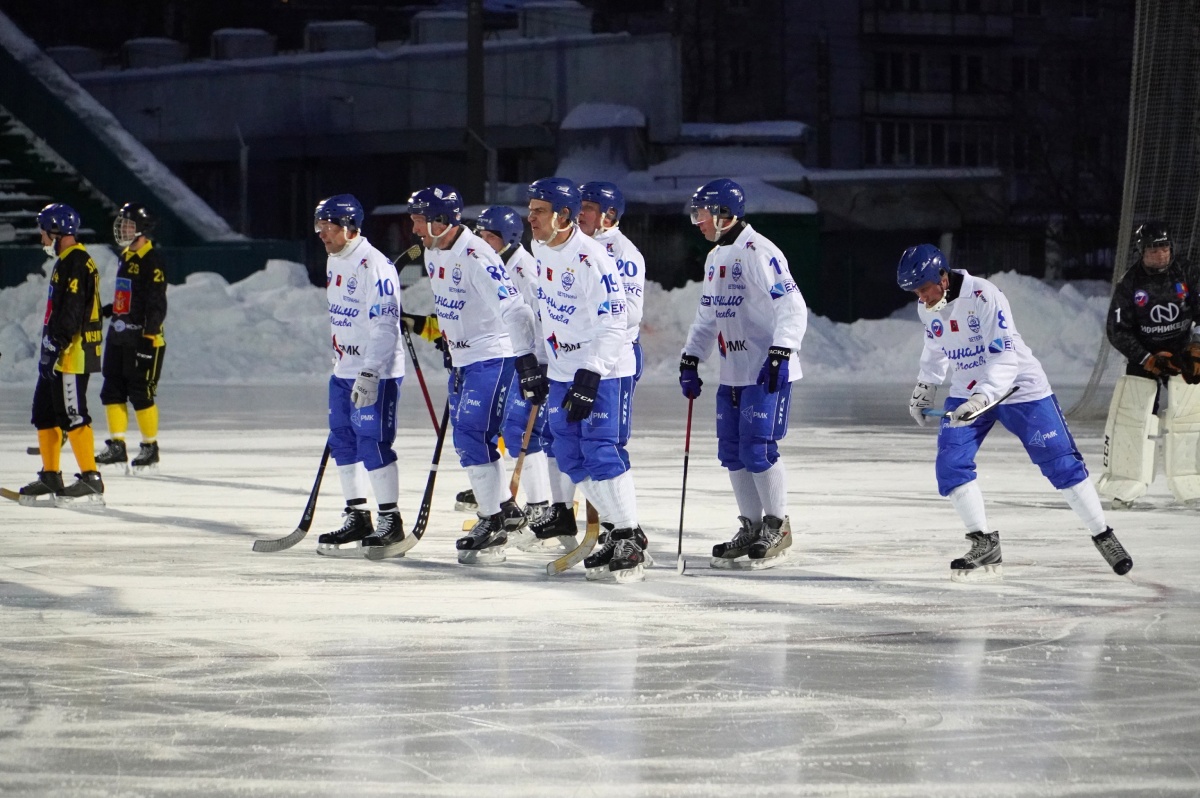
(412, 353)
(287, 541)
(680, 562)
(418, 530)
(929, 411)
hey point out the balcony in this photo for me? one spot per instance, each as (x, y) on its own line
(933, 24)
(943, 104)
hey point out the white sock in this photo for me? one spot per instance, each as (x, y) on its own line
(968, 501)
(746, 494)
(772, 489)
(535, 477)
(488, 483)
(615, 499)
(354, 481)
(562, 489)
(1086, 504)
(386, 483)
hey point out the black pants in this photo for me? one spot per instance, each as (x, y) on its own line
(61, 402)
(125, 380)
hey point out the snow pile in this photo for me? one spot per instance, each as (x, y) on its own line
(273, 328)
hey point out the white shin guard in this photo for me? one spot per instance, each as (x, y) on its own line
(487, 481)
(386, 484)
(746, 493)
(1085, 502)
(615, 499)
(562, 489)
(1129, 447)
(772, 490)
(535, 477)
(1182, 435)
(968, 502)
(354, 481)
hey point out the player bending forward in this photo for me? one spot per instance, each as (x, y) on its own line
(970, 333)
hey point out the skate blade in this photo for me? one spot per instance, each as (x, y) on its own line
(144, 470)
(464, 507)
(747, 564)
(530, 543)
(345, 551)
(392, 550)
(493, 555)
(115, 468)
(628, 575)
(33, 501)
(598, 574)
(984, 573)
(93, 502)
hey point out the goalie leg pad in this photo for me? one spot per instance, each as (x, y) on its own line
(1182, 435)
(1129, 447)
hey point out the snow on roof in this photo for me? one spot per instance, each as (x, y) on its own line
(172, 191)
(598, 116)
(767, 131)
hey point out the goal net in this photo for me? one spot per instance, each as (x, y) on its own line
(1162, 161)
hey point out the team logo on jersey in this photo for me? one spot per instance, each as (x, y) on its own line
(549, 271)
(471, 252)
(953, 325)
(604, 308)
(1181, 291)
(936, 326)
(352, 284)
(568, 279)
(711, 271)
(722, 272)
(456, 275)
(553, 341)
(980, 296)
(973, 322)
(609, 247)
(784, 288)
(328, 278)
(429, 268)
(750, 245)
(999, 345)
(1140, 298)
(583, 259)
(441, 272)
(338, 282)
(123, 299)
(736, 272)
(1037, 439)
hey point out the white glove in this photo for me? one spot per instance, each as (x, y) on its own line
(922, 399)
(973, 405)
(365, 390)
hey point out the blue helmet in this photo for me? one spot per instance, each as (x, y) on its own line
(342, 209)
(438, 203)
(503, 221)
(558, 191)
(604, 194)
(919, 266)
(720, 197)
(58, 219)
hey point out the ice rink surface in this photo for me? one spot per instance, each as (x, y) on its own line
(148, 652)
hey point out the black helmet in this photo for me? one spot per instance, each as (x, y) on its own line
(143, 223)
(1151, 234)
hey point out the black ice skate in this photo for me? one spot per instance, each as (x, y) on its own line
(554, 530)
(147, 458)
(465, 502)
(114, 454)
(620, 555)
(41, 492)
(484, 544)
(389, 529)
(347, 540)
(86, 490)
(733, 553)
(524, 538)
(982, 563)
(1114, 553)
(773, 541)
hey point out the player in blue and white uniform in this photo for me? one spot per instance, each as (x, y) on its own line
(502, 227)
(485, 323)
(753, 313)
(972, 339)
(368, 367)
(584, 329)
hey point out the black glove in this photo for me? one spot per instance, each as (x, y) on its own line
(689, 376)
(582, 395)
(414, 323)
(1161, 364)
(106, 310)
(145, 355)
(534, 385)
(1190, 357)
(48, 358)
(774, 371)
(440, 343)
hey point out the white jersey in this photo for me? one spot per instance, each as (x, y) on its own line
(523, 269)
(750, 303)
(583, 308)
(975, 339)
(632, 268)
(478, 307)
(364, 311)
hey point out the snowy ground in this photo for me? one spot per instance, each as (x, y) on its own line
(147, 651)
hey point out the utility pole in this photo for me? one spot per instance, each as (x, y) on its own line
(475, 139)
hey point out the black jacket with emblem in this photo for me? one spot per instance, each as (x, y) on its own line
(140, 303)
(1154, 311)
(72, 319)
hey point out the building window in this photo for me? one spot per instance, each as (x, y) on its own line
(905, 143)
(739, 68)
(1085, 9)
(1027, 8)
(1026, 151)
(967, 6)
(966, 73)
(898, 71)
(1085, 75)
(1026, 74)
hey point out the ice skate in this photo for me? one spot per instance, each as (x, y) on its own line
(982, 563)
(1113, 552)
(41, 492)
(774, 539)
(86, 491)
(734, 554)
(524, 539)
(389, 529)
(465, 502)
(146, 460)
(484, 544)
(599, 564)
(347, 540)
(114, 455)
(553, 531)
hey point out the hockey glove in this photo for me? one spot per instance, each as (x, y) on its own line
(365, 390)
(922, 399)
(581, 395)
(774, 371)
(424, 326)
(443, 346)
(145, 355)
(689, 376)
(1161, 364)
(1191, 363)
(964, 414)
(534, 385)
(106, 311)
(48, 358)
